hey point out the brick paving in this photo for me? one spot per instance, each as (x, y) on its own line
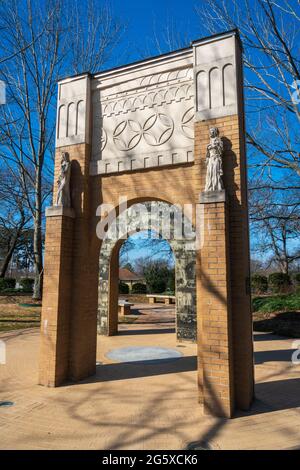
(132, 406)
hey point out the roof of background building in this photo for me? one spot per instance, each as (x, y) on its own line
(126, 275)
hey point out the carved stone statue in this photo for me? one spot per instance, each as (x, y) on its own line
(214, 170)
(63, 197)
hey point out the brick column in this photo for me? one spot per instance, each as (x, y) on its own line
(113, 291)
(55, 322)
(219, 103)
(215, 367)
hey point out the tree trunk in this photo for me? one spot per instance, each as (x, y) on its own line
(37, 239)
(8, 256)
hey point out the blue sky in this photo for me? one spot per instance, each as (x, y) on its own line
(145, 18)
(141, 248)
(146, 21)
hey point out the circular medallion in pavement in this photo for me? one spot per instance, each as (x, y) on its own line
(147, 354)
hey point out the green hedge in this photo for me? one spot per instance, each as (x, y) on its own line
(27, 284)
(123, 288)
(139, 288)
(7, 283)
(279, 282)
(169, 292)
(259, 283)
(276, 303)
(296, 279)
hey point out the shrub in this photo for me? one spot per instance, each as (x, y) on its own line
(296, 279)
(171, 283)
(7, 283)
(276, 303)
(139, 288)
(123, 288)
(27, 284)
(157, 286)
(279, 282)
(10, 291)
(259, 283)
(156, 275)
(169, 292)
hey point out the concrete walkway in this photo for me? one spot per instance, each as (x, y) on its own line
(144, 406)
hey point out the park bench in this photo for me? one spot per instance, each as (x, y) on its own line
(124, 307)
(167, 299)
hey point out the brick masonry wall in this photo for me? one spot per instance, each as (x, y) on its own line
(180, 185)
(54, 343)
(215, 359)
(235, 182)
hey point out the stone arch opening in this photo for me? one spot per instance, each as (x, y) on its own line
(143, 130)
(159, 217)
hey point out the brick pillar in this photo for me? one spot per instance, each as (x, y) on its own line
(215, 357)
(219, 103)
(73, 135)
(57, 290)
(113, 292)
(83, 330)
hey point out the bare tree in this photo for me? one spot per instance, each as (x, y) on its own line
(94, 34)
(147, 242)
(270, 32)
(30, 81)
(48, 45)
(275, 228)
(14, 219)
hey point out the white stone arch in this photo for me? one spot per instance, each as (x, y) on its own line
(185, 263)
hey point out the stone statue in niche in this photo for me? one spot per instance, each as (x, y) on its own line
(63, 197)
(214, 170)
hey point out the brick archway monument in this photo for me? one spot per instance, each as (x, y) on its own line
(144, 132)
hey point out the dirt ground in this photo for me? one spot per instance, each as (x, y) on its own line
(18, 312)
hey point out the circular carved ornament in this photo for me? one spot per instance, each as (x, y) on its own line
(187, 123)
(157, 129)
(103, 139)
(127, 135)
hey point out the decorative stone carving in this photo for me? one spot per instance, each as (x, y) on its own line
(216, 69)
(63, 197)
(214, 170)
(158, 129)
(127, 135)
(73, 118)
(142, 114)
(187, 123)
(103, 139)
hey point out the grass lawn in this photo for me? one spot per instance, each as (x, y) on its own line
(279, 314)
(13, 316)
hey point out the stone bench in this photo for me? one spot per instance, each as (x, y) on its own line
(124, 307)
(167, 299)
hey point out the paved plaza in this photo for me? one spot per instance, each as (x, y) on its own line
(144, 405)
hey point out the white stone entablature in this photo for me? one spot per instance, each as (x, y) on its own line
(73, 111)
(142, 115)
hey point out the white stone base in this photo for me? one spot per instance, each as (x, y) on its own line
(207, 197)
(54, 211)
